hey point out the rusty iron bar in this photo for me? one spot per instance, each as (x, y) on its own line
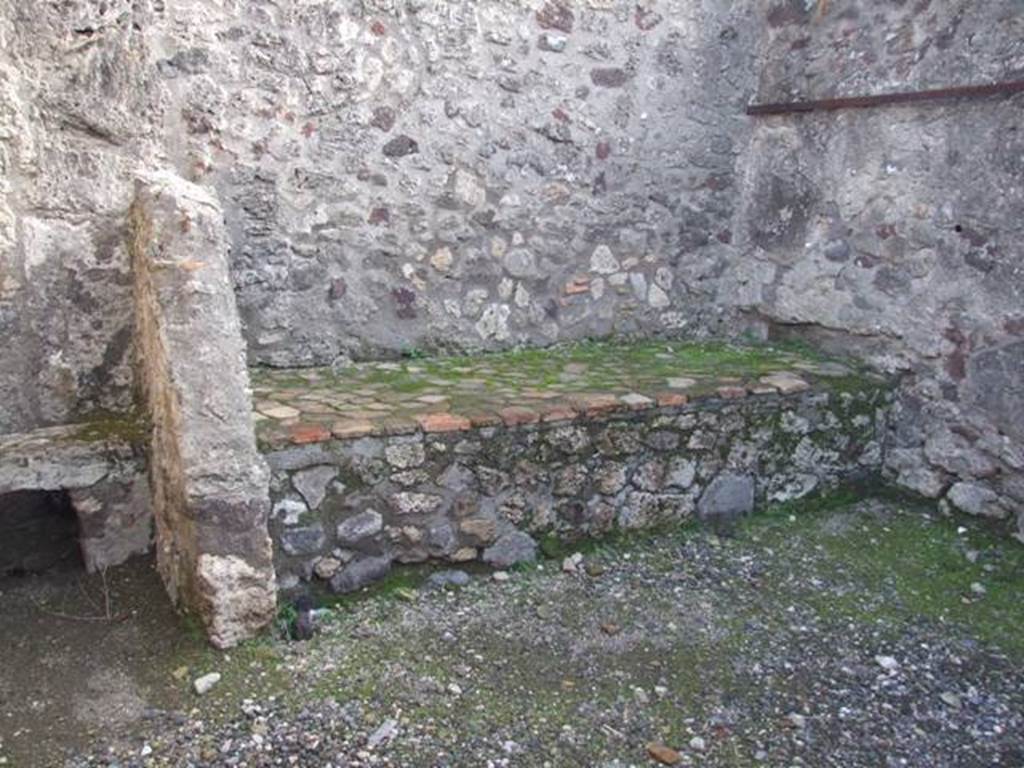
(883, 99)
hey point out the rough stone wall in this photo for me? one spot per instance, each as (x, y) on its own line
(209, 483)
(896, 233)
(77, 114)
(345, 510)
(447, 173)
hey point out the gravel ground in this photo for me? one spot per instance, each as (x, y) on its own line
(844, 633)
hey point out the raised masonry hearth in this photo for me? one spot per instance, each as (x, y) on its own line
(291, 291)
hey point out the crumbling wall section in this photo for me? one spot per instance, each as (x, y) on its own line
(78, 113)
(209, 483)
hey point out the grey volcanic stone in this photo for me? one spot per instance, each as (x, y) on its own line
(359, 573)
(997, 385)
(511, 548)
(976, 499)
(312, 483)
(728, 497)
(303, 541)
(443, 579)
(362, 526)
(405, 455)
(440, 539)
(400, 146)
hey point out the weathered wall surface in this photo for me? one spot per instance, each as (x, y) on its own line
(896, 233)
(465, 174)
(77, 115)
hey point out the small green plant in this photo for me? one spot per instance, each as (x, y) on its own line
(286, 618)
(553, 547)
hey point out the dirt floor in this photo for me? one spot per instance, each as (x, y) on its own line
(841, 632)
(85, 656)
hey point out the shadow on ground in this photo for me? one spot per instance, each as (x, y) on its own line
(85, 656)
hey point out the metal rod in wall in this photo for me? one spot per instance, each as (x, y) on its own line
(884, 99)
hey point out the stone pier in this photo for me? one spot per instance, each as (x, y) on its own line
(209, 484)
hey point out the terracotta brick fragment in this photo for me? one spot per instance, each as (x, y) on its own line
(578, 286)
(515, 416)
(351, 428)
(443, 422)
(558, 413)
(597, 405)
(484, 419)
(304, 433)
(672, 399)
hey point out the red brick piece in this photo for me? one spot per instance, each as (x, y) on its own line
(304, 433)
(352, 428)
(443, 422)
(732, 392)
(558, 413)
(672, 399)
(577, 286)
(515, 416)
(597, 405)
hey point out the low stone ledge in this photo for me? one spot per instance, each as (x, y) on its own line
(69, 457)
(449, 493)
(102, 468)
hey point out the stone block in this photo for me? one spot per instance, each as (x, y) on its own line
(976, 499)
(359, 528)
(360, 573)
(510, 549)
(115, 522)
(312, 483)
(308, 540)
(727, 498)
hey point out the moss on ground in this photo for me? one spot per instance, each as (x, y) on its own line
(906, 562)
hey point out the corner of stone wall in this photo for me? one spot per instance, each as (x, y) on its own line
(209, 483)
